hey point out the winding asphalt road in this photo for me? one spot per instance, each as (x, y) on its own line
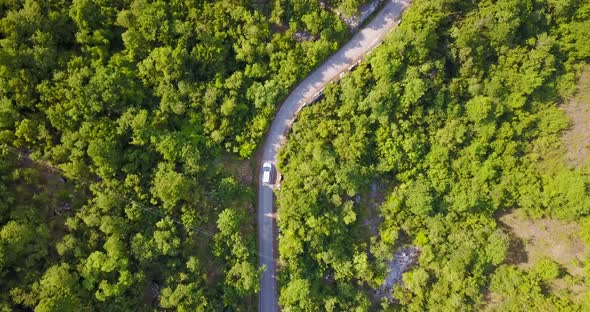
(351, 53)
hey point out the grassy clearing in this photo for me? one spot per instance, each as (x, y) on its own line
(577, 138)
(545, 238)
(537, 239)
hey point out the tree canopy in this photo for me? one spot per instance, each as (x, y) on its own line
(117, 120)
(456, 117)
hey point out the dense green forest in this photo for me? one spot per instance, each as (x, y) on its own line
(457, 118)
(117, 120)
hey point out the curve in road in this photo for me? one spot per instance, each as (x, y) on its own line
(351, 53)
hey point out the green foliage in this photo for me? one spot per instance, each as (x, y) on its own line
(521, 290)
(456, 116)
(58, 290)
(546, 270)
(170, 186)
(134, 102)
(297, 295)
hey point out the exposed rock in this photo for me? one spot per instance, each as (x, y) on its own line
(151, 295)
(404, 259)
(301, 36)
(354, 22)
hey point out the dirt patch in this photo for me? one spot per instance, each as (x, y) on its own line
(239, 169)
(539, 238)
(534, 239)
(577, 138)
(277, 28)
(576, 287)
(492, 301)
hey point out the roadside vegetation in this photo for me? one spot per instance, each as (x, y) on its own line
(117, 123)
(460, 114)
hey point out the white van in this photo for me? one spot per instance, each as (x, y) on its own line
(266, 172)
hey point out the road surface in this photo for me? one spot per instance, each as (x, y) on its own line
(363, 42)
